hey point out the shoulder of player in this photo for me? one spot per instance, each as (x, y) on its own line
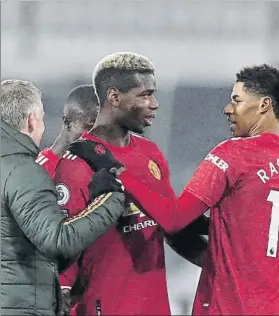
(145, 142)
(237, 143)
(73, 165)
(149, 146)
(235, 150)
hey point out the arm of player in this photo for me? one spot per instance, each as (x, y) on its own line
(214, 177)
(208, 185)
(187, 243)
(170, 213)
(167, 211)
(158, 207)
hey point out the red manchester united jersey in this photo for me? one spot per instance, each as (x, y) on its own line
(125, 268)
(239, 180)
(48, 160)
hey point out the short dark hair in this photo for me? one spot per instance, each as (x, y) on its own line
(118, 70)
(80, 102)
(262, 80)
(84, 96)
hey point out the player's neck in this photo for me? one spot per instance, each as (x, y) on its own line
(62, 142)
(266, 126)
(110, 132)
(272, 129)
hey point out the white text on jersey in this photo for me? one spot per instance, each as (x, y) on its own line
(139, 226)
(220, 163)
(265, 175)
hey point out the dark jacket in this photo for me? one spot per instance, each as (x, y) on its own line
(37, 240)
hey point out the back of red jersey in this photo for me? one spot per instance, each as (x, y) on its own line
(125, 268)
(239, 180)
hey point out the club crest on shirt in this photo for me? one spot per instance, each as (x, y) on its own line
(63, 194)
(100, 149)
(154, 169)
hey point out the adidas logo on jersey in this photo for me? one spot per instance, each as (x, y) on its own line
(41, 159)
(69, 155)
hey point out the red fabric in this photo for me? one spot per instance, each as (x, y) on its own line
(125, 267)
(48, 160)
(171, 214)
(165, 210)
(239, 277)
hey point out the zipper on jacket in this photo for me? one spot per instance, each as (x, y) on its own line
(98, 308)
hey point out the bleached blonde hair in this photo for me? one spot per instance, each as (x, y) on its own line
(112, 68)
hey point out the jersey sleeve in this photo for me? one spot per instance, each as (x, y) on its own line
(48, 160)
(71, 178)
(170, 213)
(216, 174)
(159, 207)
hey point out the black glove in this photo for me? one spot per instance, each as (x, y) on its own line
(102, 182)
(95, 154)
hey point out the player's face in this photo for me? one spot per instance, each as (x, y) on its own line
(138, 106)
(88, 119)
(78, 120)
(243, 111)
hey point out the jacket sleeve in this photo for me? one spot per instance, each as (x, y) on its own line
(71, 178)
(31, 197)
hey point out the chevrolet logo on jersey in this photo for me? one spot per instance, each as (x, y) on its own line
(132, 209)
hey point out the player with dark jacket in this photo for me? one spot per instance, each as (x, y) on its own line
(37, 240)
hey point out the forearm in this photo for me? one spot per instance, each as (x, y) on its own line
(160, 208)
(189, 245)
(170, 213)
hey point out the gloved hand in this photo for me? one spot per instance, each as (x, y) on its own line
(104, 181)
(95, 154)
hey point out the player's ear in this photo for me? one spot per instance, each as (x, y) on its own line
(66, 121)
(265, 104)
(113, 96)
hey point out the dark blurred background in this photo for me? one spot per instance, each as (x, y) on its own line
(197, 46)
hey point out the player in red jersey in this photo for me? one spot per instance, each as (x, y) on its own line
(80, 112)
(124, 272)
(239, 181)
